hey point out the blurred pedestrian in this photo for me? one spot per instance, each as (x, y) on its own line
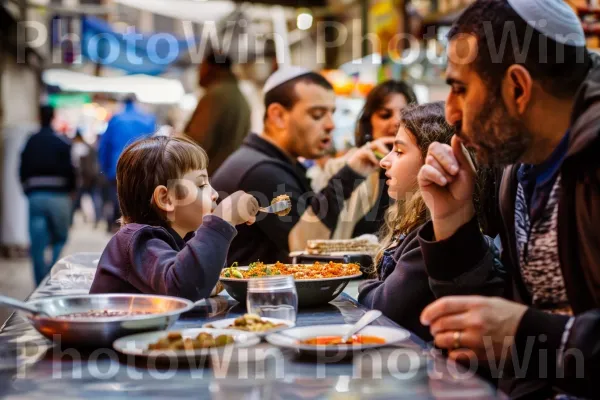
(123, 129)
(221, 120)
(48, 180)
(85, 161)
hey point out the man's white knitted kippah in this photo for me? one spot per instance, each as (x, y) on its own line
(553, 18)
(283, 75)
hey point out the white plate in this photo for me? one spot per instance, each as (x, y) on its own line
(289, 339)
(137, 345)
(224, 324)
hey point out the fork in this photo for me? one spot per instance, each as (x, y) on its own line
(277, 207)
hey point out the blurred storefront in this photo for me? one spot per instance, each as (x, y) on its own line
(20, 68)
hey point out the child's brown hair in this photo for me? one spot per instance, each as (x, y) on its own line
(147, 164)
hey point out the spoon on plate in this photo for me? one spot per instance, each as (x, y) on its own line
(20, 305)
(365, 320)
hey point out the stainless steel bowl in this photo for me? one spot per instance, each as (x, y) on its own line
(103, 331)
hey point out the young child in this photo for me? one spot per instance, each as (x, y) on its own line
(173, 239)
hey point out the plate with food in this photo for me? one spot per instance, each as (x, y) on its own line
(252, 323)
(326, 339)
(183, 344)
(316, 284)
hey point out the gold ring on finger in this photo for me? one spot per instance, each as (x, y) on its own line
(457, 335)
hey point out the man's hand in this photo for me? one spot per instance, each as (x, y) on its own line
(447, 182)
(239, 208)
(465, 325)
(364, 160)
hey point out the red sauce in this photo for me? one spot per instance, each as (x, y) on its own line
(333, 340)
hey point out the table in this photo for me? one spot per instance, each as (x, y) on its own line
(32, 367)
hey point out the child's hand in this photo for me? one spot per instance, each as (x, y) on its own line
(237, 209)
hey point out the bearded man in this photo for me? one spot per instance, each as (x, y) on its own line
(525, 95)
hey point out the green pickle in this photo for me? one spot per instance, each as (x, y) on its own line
(223, 340)
(379, 155)
(237, 274)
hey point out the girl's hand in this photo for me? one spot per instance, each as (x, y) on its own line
(365, 161)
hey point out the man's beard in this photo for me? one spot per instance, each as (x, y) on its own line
(499, 138)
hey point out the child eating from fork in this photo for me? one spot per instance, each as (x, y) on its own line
(173, 239)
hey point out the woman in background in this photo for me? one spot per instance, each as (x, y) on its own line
(363, 213)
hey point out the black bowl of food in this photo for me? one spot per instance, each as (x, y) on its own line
(316, 284)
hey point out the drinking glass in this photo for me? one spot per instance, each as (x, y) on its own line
(273, 297)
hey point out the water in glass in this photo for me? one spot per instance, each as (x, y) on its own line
(273, 297)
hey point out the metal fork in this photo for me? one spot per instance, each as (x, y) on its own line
(277, 207)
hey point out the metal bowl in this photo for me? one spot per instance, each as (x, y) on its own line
(103, 331)
(311, 292)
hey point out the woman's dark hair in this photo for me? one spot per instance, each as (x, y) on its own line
(149, 163)
(376, 99)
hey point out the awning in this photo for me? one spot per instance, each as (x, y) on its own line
(289, 3)
(132, 52)
(148, 89)
(245, 40)
(285, 3)
(195, 11)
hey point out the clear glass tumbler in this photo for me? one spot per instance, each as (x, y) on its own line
(273, 297)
